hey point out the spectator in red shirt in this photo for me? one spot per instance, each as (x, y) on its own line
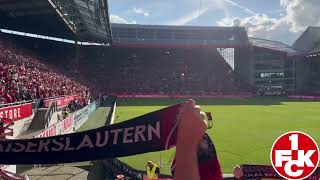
(8, 98)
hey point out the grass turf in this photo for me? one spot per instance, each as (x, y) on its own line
(244, 129)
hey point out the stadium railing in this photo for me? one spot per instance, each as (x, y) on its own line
(155, 95)
(31, 101)
(49, 113)
(16, 103)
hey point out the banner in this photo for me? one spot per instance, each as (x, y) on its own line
(82, 115)
(267, 172)
(16, 113)
(238, 95)
(51, 131)
(304, 97)
(63, 127)
(62, 101)
(148, 133)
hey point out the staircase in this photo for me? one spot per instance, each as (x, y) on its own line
(37, 124)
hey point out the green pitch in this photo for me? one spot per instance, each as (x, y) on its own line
(244, 129)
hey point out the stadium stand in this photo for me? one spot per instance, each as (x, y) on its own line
(308, 66)
(24, 76)
(160, 71)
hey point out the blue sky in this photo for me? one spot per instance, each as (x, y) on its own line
(271, 19)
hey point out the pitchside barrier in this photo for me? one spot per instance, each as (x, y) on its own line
(217, 95)
(61, 101)
(16, 103)
(257, 172)
(314, 98)
(82, 115)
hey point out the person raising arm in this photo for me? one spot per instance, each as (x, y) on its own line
(191, 130)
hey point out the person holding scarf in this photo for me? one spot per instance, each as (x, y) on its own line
(191, 131)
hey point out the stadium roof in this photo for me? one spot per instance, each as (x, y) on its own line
(309, 41)
(178, 36)
(33, 16)
(273, 45)
(85, 20)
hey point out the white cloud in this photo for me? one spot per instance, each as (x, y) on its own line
(301, 13)
(189, 17)
(224, 5)
(117, 19)
(262, 26)
(245, 9)
(140, 11)
(297, 15)
(207, 5)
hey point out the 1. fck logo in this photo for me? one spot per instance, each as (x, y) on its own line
(295, 155)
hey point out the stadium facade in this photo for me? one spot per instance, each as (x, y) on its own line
(308, 65)
(272, 66)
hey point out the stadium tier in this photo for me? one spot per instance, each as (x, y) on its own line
(135, 35)
(25, 76)
(162, 71)
(308, 68)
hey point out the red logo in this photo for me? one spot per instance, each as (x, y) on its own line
(295, 155)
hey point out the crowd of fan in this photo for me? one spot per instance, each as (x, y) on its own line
(155, 71)
(23, 76)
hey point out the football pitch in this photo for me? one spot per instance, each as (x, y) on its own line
(243, 129)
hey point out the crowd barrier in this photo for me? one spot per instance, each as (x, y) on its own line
(15, 104)
(240, 95)
(314, 98)
(62, 127)
(51, 110)
(61, 101)
(71, 123)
